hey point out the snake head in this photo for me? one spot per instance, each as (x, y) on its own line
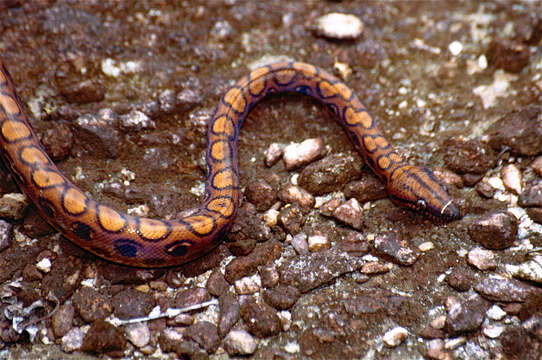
(416, 188)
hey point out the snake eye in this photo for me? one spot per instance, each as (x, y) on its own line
(421, 204)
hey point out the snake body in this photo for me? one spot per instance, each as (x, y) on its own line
(144, 242)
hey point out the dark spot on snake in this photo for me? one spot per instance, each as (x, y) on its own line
(126, 247)
(178, 248)
(82, 230)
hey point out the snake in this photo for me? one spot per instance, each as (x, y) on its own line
(154, 243)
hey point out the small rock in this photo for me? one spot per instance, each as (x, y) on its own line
(438, 322)
(485, 189)
(261, 194)
(468, 156)
(495, 313)
(354, 244)
(247, 265)
(505, 290)
(271, 216)
(261, 319)
(494, 231)
(436, 350)
(281, 297)
(367, 188)
(426, 246)
(273, 154)
(465, 316)
(329, 207)
(520, 131)
(535, 214)
(390, 245)
(531, 196)
(222, 30)
(57, 141)
(84, 92)
(300, 244)
(44, 265)
(205, 334)
(102, 337)
(230, 311)
(6, 230)
(239, 342)
(299, 154)
(330, 173)
(62, 320)
(318, 242)
(131, 303)
(482, 259)
(191, 297)
(508, 55)
(338, 26)
(247, 285)
(91, 305)
(138, 334)
(530, 270)
(537, 165)
(375, 267)
(269, 275)
(492, 331)
(291, 218)
(167, 101)
(188, 99)
(511, 177)
(13, 206)
(395, 336)
(292, 194)
(99, 133)
(73, 340)
(430, 332)
(216, 283)
(350, 213)
(135, 120)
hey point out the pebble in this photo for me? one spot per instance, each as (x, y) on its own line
(505, 290)
(350, 213)
(188, 99)
(216, 283)
(205, 334)
(492, 331)
(318, 268)
(291, 218)
(102, 337)
(193, 296)
(495, 313)
(131, 303)
(508, 55)
(99, 132)
(426, 246)
(229, 314)
(167, 101)
(330, 173)
(13, 206)
(354, 244)
(338, 26)
(299, 154)
(518, 130)
(375, 267)
(293, 194)
(73, 340)
(328, 207)
(367, 188)
(261, 194)
(465, 315)
(62, 320)
(435, 350)
(246, 265)
(300, 244)
(494, 231)
(138, 334)
(269, 275)
(261, 319)
(270, 217)
(6, 230)
(44, 265)
(240, 342)
(281, 297)
(529, 270)
(531, 196)
(537, 165)
(468, 156)
(389, 244)
(91, 305)
(318, 242)
(482, 259)
(136, 120)
(395, 336)
(248, 285)
(438, 322)
(511, 177)
(273, 154)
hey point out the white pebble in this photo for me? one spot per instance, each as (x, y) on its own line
(426, 246)
(495, 313)
(493, 331)
(44, 265)
(395, 336)
(339, 26)
(511, 178)
(248, 285)
(299, 154)
(455, 48)
(318, 242)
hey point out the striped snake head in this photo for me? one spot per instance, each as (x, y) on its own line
(416, 188)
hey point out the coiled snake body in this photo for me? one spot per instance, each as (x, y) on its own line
(144, 242)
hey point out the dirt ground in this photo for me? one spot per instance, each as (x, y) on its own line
(423, 68)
